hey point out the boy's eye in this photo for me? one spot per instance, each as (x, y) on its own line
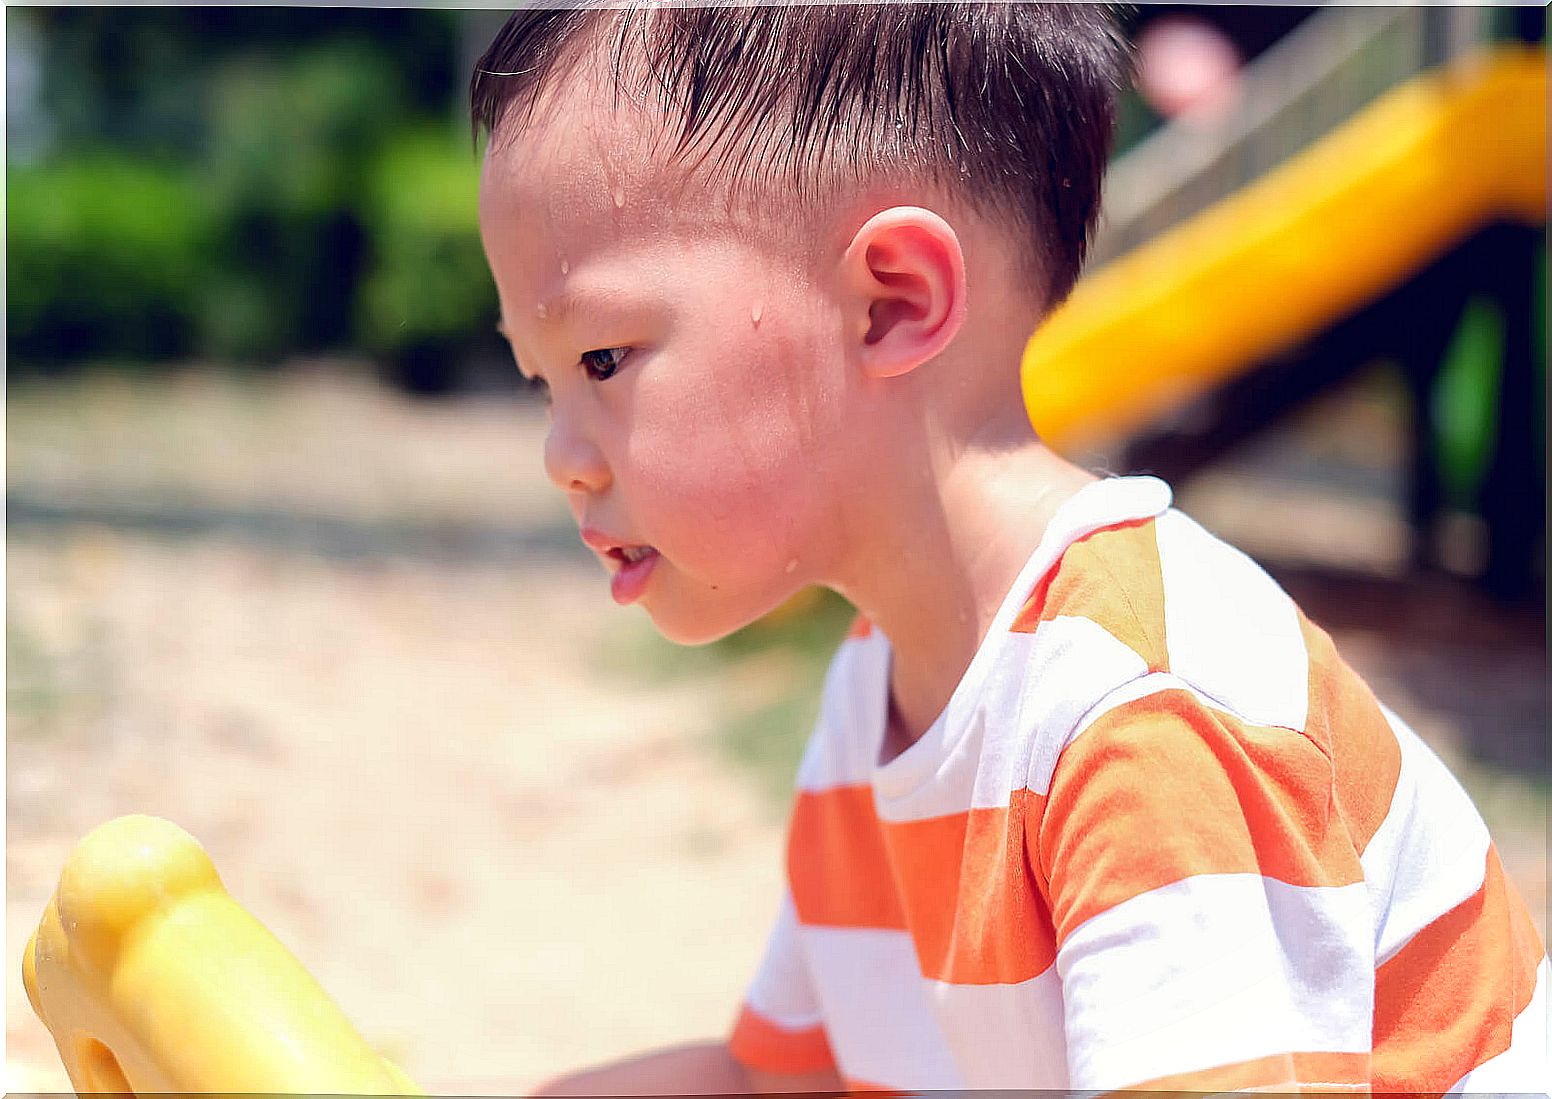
(601, 365)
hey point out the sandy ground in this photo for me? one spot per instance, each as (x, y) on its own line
(351, 644)
(414, 763)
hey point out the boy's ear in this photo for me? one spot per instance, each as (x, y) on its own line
(905, 272)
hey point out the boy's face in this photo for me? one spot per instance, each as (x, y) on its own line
(695, 372)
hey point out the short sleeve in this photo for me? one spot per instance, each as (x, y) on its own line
(1213, 926)
(779, 1028)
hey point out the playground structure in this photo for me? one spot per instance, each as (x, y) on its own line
(1341, 225)
(152, 978)
(1384, 170)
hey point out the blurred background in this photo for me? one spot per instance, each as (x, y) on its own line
(283, 566)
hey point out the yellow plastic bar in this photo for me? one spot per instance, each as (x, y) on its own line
(151, 978)
(1339, 225)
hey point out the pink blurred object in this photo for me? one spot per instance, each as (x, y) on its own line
(1187, 66)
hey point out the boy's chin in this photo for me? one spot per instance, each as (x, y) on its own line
(696, 633)
(704, 625)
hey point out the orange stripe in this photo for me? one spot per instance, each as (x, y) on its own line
(1112, 577)
(1284, 1071)
(1447, 1000)
(1042, 605)
(855, 1085)
(1346, 721)
(765, 1047)
(837, 864)
(1162, 789)
(860, 627)
(974, 910)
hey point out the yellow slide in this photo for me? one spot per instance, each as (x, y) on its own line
(151, 978)
(1339, 225)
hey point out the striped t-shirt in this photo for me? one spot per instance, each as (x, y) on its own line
(1160, 836)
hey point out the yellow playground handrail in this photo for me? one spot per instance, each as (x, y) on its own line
(1339, 225)
(151, 978)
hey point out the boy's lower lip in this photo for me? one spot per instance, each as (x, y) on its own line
(627, 585)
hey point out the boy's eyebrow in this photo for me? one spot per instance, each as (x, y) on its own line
(568, 302)
(579, 298)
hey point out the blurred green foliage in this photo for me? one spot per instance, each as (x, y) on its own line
(769, 734)
(772, 713)
(287, 161)
(106, 256)
(1465, 403)
(426, 288)
(245, 184)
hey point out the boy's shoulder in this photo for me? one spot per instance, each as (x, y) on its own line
(1164, 597)
(1127, 598)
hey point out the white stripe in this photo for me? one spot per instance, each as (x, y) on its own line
(1429, 853)
(879, 1021)
(782, 991)
(1231, 631)
(938, 774)
(1006, 1036)
(843, 749)
(1215, 970)
(1039, 686)
(1077, 663)
(1151, 684)
(1525, 1066)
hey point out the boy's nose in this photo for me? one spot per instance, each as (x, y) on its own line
(574, 463)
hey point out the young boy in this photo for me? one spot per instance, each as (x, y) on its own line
(1089, 804)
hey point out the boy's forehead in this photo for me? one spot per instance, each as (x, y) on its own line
(591, 174)
(582, 162)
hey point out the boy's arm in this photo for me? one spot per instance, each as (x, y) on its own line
(1214, 931)
(703, 1069)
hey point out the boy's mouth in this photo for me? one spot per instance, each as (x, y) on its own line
(635, 568)
(607, 547)
(631, 565)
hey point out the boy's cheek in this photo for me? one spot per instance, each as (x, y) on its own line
(755, 488)
(696, 610)
(730, 446)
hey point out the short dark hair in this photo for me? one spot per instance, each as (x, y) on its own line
(1010, 105)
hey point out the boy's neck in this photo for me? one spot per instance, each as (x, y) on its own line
(953, 548)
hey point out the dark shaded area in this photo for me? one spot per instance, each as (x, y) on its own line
(159, 66)
(1253, 28)
(245, 185)
(1413, 326)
